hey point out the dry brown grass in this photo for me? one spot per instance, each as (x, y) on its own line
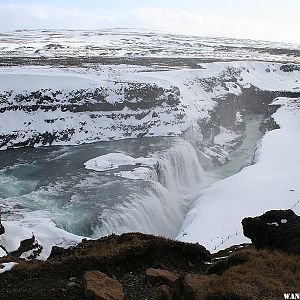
(265, 275)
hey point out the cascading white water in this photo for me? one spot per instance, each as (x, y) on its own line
(162, 209)
(179, 169)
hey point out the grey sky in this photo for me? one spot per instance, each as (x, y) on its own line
(265, 19)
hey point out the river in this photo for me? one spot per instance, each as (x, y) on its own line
(53, 182)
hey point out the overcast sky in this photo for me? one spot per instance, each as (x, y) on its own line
(275, 20)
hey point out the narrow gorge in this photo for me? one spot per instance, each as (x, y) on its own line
(160, 136)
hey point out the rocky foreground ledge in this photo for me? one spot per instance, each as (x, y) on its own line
(139, 266)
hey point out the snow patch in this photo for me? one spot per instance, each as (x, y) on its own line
(273, 224)
(7, 267)
(115, 160)
(44, 230)
(138, 173)
(225, 136)
(2, 252)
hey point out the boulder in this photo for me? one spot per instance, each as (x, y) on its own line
(276, 229)
(164, 292)
(160, 276)
(192, 286)
(99, 286)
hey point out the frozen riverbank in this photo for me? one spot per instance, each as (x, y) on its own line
(214, 220)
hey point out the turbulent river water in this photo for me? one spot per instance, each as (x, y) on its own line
(54, 182)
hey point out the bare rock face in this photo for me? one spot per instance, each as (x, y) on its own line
(99, 286)
(2, 229)
(161, 276)
(276, 229)
(30, 245)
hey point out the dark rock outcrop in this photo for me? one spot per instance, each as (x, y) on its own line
(276, 229)
(268, 123)
(2, 229)
(128, 251)
(28, 245)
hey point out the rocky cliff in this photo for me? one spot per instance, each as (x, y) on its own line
(41, 106)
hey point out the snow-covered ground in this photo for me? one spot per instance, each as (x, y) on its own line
(225, 137)
(43, 105)
(46, 235)
(214, 219)
(69, 87)
(137, 43)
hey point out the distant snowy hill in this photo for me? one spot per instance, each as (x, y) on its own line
(138, 43)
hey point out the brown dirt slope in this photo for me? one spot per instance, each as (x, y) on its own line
(125, 257)
(240, 272)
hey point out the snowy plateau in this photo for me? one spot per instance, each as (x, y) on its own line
(188, 97)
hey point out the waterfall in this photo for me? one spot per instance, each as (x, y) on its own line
(161, 209)
(179, 169)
